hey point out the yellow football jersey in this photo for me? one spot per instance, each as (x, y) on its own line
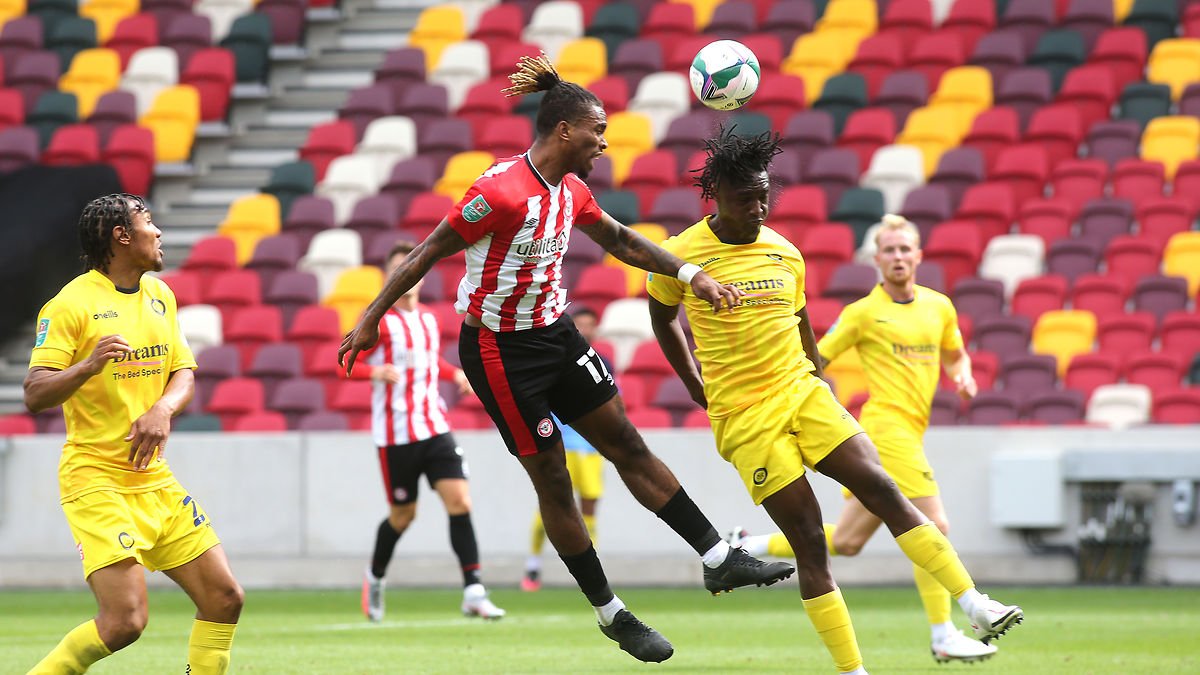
(900, 347)
(100, 413)
(755, 350)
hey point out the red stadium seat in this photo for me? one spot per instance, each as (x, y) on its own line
(1085, 372)
(1092, 89)
(598, 285)
(1125, 333)
(934, 54)
(506, 136)
(1130, 258)
(130, 151)
(212, 73)
(825, 246)
(650, 417)
(991, 205)
(1059, 128)
(235, 397)
(1099, 294)
(1041, 294)
(1049, 219)
(823, 313)
(187, 287)
(16, 425)
(867, 130)
(209, 257)
(1159, 218)
(133, 33)
(1079, 180)
(73, 145)
(1023, 168)
(1180, 334)
(778, 97)
(877, 57)
(327, 142)
(260, 421)
(970, 21)
(1136, 179)
(650, 174)
(613, 92)
(253, 326)
(802, 205)
(648, 364)
(1187, 181)
(352, 398)
(993, 130)
(1123, 50)
(1179, 406)
(1160, 372)
(907, 20)
(957, 246)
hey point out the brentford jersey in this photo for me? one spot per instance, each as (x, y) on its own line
(410, 410)
(518, 227)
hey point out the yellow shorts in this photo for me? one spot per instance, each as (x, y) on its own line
(903, 457)
(587, 473)
(162, 529)
(771, 441)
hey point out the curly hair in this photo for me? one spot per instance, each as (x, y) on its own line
(96, 224)
(734, 159)
(564, 101)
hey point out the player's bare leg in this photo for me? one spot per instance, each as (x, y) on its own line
(209, 582)
(855, 464)
(609, 430)
(796, 511)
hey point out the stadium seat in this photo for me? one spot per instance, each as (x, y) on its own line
(1176, 63)
(613, 24)
(211, 256)
(69, 35)
(841, 96)
(17, 425)
(311, 327)
(969, 21)
(73, 145)
(649, 175)
(1177, 406)
(273, 364)
(92, 72)
(1028, 374)
(1159, 218)
(173, 118)
(308, 216)
(1057, 52)
(1119, 405)
(249, 40)
(107, 14)
(895, 170)
(817, 56)
(877, 57)
(1003, 336)
(234, 398)
(1157, 18)
(1088, 18)
(275, 261)
(789, 20)
(352, 291)
(18, 148)
(1099, 294)
(461, 171)
(1130, 258)
(1180, 334)
(902, 92)
(248, 220)
(212, 72)
(1038, 295)
(661, 97)
(993, 408)
(867, 130)
(1092, 90)
(1142, 101)
(1123, 50)
(1057, 407)
(295, 397)
(186, 286)
(957, 170)
(330, 252)
(927, 206)
(437, 27)
(1024, 168)
(933, 54)
(348, 179)
(933, 131)
(1125, 334)
(860, 208)
(999, 52)
(1025, 90)
(1088, 371)
(201, 326)
(326, 142)
(992, 131)
(373, 215)
(553, 25)
(957, 246)
(1160, 295)
(850, 282)
(1049, 219)
(583, 61)
(1011, 258)
(462, 65)
(150, 71)
(1072, 257)
(1113, 141)
(1079, 180)
(1171, 140)
(1102, 219)
(826, 246)
(365, 104)
(1159, 372)
(1064, 334)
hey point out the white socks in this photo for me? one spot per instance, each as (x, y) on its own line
(607, 613)
(970, 599)
(857, 671)
(716, 555)
(940, 631)
(533, 563)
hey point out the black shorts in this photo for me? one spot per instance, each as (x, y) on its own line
(437, 457)
(522, 376)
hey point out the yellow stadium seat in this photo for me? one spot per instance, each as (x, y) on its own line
(967, 87)
(10, 9)
(702, 9)
(635, 278)
(1182, 259)
(1063, 334)
(846, 373)
(354, 289)
(815, 57)
(1175, 62)
(461, 171)
(933, 130)
(628, 137)
(437, 27)
(859, 16)
(583, 61)
(173, 118)
(1121, 9)
(248, 220)
(107, 14)
(93, 72)
(1171, 140)
(652, 231)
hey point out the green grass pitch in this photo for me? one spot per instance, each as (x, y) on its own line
(1105, 631)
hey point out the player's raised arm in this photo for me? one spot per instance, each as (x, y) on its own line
(444, 241)
(632, 248)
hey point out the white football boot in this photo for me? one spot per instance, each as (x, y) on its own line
(990, 619)
(476, 603)
(372, 596)
(958, 647)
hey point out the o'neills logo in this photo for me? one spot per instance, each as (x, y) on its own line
(110, 314)
(542, 247)
(143, 353)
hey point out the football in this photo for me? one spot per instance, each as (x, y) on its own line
(724, 74)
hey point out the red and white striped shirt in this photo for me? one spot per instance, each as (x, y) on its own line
(518, 227)
(412, 409)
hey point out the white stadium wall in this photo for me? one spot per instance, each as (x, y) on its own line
(301, 510)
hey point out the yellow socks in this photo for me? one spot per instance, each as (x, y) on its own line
(78, 650)
(590, 523)
(934, 596)
(830, 617)
(208, 648)
(829, 529)
(537, 534)
(778, 546)
(929, 549)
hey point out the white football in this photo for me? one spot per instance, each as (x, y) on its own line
(724, 74)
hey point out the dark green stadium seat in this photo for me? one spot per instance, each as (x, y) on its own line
(196, 423)
(842, 95)
(620, 204)
(750, 124)
(52, 110)
(1157, 18)
(614, 23)
(860, 208)
(70, 36)
(51, 12)
(250, 41)
(289, 181)
(1194, 371)
(1142, 102)
(819, 8)
(1058, 51)
(528, 106)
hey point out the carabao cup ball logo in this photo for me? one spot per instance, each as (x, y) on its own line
(724, 74)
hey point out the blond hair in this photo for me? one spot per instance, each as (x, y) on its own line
(892, 222)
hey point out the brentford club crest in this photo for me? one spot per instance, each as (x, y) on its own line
(545, 427)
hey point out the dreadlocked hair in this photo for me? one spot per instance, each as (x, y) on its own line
(96, 224)
(733, 158)
(563, 101)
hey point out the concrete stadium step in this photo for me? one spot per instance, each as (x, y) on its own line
(381, 19)
(292, 118)
(329, 79)
(309, 98)
(227, 176)
(372, 39)
(261, 158)
(352, 59)
(257, 136)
